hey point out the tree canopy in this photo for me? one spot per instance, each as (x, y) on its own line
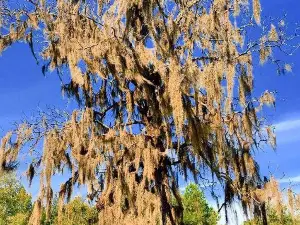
(16, 207)
(285, 213)
(76, 212)
(196, 209)
(164, 89)
(15, 202)
(274, 218)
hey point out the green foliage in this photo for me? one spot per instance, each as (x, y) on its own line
(15, 202)
(274, 218)
(53, 213)
(18, 219)
(196, 209)
(77, 212)
(16, 207)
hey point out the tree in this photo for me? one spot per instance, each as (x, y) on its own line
(52, 217)
(285, 213)
(15, 202)
(151, 78)
(78, 212)
(16, 206)
(75, 212)
(284, 218)
(196, 209)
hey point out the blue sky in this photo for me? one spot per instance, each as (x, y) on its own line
(23, 89)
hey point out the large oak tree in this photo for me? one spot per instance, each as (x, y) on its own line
(164, 88)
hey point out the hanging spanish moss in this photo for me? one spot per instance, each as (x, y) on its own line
(159, 77)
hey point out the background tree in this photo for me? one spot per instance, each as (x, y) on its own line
(196, 209)
(16, 206)
(15, 202)
(274, 218)
(78, 212)
(163, 88)
(285, 213)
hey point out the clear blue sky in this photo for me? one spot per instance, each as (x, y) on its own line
(23, 89)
